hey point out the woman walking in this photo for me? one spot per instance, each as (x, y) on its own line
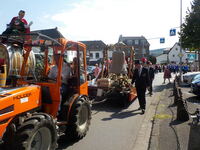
(167, 74)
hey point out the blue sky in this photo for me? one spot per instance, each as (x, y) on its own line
(101, 19)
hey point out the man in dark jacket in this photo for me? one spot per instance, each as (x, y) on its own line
(141, 80)
(151, 76)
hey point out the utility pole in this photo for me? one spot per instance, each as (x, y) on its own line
(180, 40)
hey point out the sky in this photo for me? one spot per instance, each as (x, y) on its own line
(105, 20)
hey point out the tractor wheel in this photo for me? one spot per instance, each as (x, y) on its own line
(38, 132)
(79, 120)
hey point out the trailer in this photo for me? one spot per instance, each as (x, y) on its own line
(114, 80)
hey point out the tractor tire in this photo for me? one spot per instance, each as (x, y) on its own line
(79, 120)
(37, 132)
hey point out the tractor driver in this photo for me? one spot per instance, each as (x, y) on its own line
(66, 74)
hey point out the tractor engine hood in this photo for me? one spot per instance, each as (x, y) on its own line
(14, 101)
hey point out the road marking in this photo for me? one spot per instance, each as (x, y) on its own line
(162, 116)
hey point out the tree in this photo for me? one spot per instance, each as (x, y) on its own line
(152, 59)
(190, 30)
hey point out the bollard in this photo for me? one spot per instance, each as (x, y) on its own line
(175, 96)
(182, 114)
(178, 80)
(174, 87)
(175, 92)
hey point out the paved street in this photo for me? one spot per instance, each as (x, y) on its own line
(115, 129)
(180, 135)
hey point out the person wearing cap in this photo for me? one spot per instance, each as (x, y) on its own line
(141, 80)
(151, 76)
(18, 24)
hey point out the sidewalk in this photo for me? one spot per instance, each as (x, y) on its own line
(168, 133)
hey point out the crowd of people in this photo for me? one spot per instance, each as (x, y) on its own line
(174, 68)
(143, 76)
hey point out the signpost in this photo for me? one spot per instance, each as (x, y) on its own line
(180, 54)
(162, 40)
(172, 32)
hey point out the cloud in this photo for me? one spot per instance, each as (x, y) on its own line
(107, 19)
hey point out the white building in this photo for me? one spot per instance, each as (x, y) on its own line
(161, 59)
(172, 55)
(175, 54)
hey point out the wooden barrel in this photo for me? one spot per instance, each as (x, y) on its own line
(13, 59)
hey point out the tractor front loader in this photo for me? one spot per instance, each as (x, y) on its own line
(33, 114)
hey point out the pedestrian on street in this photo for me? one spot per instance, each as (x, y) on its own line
(96, 70)
(151, 77)
(141, 80)
(167, 74)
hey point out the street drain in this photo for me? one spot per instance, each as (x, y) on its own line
(162, 116)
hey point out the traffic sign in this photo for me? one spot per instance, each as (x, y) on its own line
(172, 32)
(180, 54)
(162, 40)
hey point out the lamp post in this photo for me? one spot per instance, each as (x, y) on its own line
(180, 40)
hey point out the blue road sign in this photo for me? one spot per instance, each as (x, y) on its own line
(172, 32)
(162, 40)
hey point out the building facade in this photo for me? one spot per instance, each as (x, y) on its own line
(94, 51)
(140, 44)
(156, 52)
(173, 55)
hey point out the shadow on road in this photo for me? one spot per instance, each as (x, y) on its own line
(194, 137)
(108, 106)
(122, 115)
(193, 99)
(160, 88)
(65, 142)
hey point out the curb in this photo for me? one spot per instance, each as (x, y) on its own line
(145, 132)
(154, 141)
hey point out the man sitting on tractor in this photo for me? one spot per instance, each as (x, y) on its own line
(66, 74)
(18, 24)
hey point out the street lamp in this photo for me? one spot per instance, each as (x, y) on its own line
(180, 39)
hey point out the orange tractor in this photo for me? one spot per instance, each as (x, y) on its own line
(31, 104)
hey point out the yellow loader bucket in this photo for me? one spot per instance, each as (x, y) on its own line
(3, 76)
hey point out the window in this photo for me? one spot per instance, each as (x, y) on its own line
(82, 68)
(97, 55)
(136, 42)
(91, 55)
(176, 48)
(129, 42)
(173, 55)
(137, 49)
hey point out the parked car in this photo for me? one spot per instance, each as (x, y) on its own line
(195, 87)
(196, 77)
(188, 77)
(90, 72)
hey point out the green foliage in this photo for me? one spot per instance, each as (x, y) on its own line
(152, 59)
(190, 31)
